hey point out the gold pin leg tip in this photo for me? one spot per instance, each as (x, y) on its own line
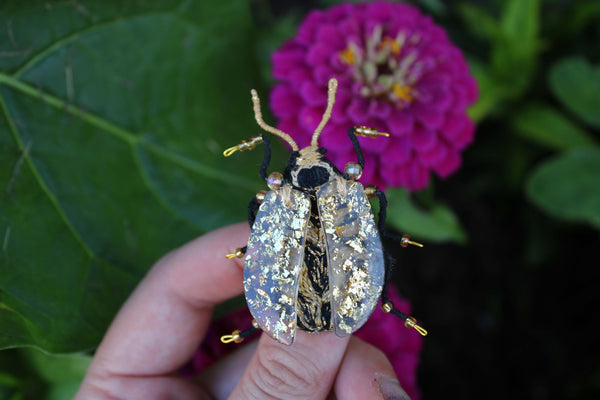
(233, 338)
(405, 241)
(422, 331)
(411, 322)
(236, 254)
(230, 151)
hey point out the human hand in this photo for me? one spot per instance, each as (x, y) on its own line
(161, 325)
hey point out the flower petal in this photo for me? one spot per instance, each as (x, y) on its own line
(319, 53)
(370, 169)
(323, 74)
(419, 176)
(306, 31)
(358, 111)
(429, 116)
(398, 152)
(448, 165)
(423, 138)
(335, 139)
(380, 109)
(458, 129)
(394, 175)
(286, 59)
(434, 155)
(330, 34)
(310, 117)
(400, 122)
(299, 74)
(284, 102)
(465, 136)
(342, 101)
(292, 127)
(313, 94)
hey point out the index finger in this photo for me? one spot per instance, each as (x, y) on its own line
(162, 323)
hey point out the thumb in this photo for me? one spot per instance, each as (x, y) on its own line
(304, 370)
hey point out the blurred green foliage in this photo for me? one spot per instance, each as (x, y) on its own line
(114, 115)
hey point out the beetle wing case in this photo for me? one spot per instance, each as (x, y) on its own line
(273, 261)
(354, 253)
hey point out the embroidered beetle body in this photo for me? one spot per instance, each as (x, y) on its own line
(314, 260)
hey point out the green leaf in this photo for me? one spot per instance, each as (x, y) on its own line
(57, 368)
(584, 13)
(547, 126)
(567, 186)
(435, 7)
(576, 83)
(490, 92)
(438, 224)
(520, 21)
(479, 21)
(515, 51)
(111, 133)
(62, 374)
(270, 37)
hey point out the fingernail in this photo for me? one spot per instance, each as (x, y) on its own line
(390, 388)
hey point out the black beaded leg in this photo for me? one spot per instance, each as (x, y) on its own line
(387, 305)
(357, 149)
(266, 160)
(252, 209)
(382, 212)
(247, 332)
(238, 336)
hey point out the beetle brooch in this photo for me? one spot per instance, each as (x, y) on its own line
(314, 260)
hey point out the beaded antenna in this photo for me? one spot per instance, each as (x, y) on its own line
(314, 260)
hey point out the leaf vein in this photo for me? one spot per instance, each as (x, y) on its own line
(51, 197)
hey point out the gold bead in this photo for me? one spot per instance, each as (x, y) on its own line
(387, 307)
(369, 132)
(260, 196)
(255, 324)
(236, 336)
(250, 143)
(371, 191)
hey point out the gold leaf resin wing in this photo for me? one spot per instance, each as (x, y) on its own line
(273, 260)
(354, 253)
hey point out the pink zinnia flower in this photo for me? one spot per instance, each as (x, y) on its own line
(401, 345)
(397, 72)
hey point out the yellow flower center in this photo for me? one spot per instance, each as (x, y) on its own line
(392, 44)
(348, 56)
(382, 68)
(403, 92)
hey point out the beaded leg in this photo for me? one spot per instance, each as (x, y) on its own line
(266, 159)
(238, 336)
(357, 149)
(386, 304)
(252, 209)
(365, 132)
